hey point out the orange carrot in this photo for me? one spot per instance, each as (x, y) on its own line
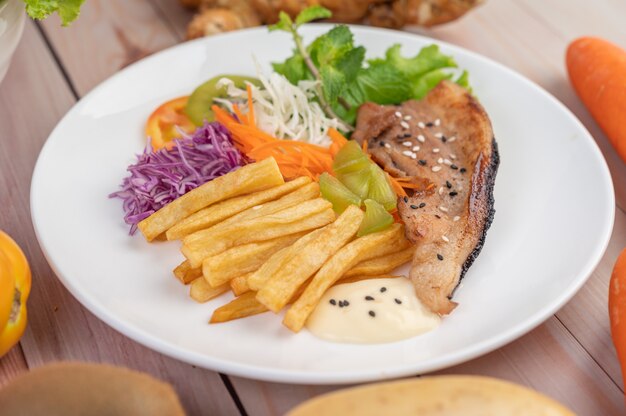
(617, 309)
(597, 70)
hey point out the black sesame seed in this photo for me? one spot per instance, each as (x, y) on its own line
(398, 301)
(341, 304)
(429, 124)
(454, 193)
(333, 302)
(437, 216)
(369, 298)
(448, 184)
(406, 135)
(383, 289)
(422, 205)
(440, 257)
(454, 167)
(406, 199)
(444, 139)
(463, 170)
(422, 162)
(372, 314)
(381, 143)
(346, 303)
(413, 206)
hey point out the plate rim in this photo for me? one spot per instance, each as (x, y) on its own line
(236, 368)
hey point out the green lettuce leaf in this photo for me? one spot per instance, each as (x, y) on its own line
(68, 10)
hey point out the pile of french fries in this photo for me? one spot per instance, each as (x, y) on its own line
(272, 243)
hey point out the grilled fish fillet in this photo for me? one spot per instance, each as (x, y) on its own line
(445, 142)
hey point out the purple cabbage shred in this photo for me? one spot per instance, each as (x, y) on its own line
(158, 178)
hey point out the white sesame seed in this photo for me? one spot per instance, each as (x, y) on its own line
(443, 209)
(421, 138)
(404, 124)
(416, 148)
(436, 168)
(441, 190)
(452, 156)
(440, 160)
(413, 156)
(447, 162)
(439, 135)
(257, 207)
(437, 122)
(407, 118)
(421, 125)
(398, 114)
(451, 139)
(407, 144)
(436, 150)
(456, 218)
(387, 146)
(407, 153)
(444, 238)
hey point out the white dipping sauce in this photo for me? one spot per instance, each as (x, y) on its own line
(371, 311)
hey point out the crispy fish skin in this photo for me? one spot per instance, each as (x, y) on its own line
(455, 163)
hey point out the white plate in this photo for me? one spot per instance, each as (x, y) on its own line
(554, 202)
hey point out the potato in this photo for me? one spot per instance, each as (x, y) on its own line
(219, 269)
(215, 213)
(285, 282)
(358, 278)
(239, 284)
(201, 291)
(241, 307)
(306, 216)
(382, 264)
(250, 178)
(258, 278)
(332, 270)
(186, 274)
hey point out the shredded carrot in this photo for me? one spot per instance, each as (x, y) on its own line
(365, 146)
(397, 187)
(251, 118)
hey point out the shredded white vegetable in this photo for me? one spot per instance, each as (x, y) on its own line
(284, 110)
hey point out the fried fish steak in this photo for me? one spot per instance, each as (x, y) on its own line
(445, 144)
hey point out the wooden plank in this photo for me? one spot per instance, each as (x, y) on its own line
(12, 365)
(108, 36)
(547, 359)
(33, 97)
(177, 16)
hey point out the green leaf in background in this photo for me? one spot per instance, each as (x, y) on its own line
(284, 23)
(331, 46)
(428, 59)
(68, 10)
(294, 69)
(312, 13)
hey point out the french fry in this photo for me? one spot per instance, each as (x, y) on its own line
(258, 278)
(240, 307)
(285, 282)
(220, 211)
(381, 265)
(186, 274)
(201, 291)
(332, 271)
(239, 284)
(219, 269)
(250, 178)
(307, 216)
(358, 278)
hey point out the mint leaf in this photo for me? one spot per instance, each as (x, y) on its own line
(331, 46)
(294, 69)
(312, 13)
(68, 10)
(333, 82)
(350, 63)
(284, 23)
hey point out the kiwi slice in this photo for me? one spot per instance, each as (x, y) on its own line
(350, 159)
(198, 107)
(380, 188)
(376, 218)
(336, 192)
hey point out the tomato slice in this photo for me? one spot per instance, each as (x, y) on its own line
(163, 122)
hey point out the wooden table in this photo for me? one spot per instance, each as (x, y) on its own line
(570, 357)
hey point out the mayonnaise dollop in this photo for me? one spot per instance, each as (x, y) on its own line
(371, 311)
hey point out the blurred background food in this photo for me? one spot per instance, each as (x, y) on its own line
(217, 16)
